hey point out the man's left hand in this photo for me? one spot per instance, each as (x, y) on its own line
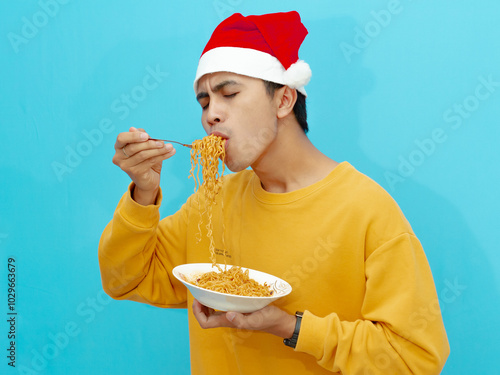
(270, 319)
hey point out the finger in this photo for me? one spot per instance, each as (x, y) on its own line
(133, 129)
(143, 158)
(202, 314)
(130, 137)
(199, 312)
(202, 308)
(258, 320)
(133, 148)
(209, 318)
(138, 153)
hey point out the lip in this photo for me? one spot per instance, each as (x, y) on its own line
(223, 136)
(219, 134)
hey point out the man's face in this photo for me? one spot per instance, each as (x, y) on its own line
(239, 109)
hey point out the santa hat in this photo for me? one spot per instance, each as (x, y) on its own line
(265, 47)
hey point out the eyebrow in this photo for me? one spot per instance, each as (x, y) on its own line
(217, 88)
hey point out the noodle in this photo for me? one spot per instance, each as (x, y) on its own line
(232, 281)
(205, 154)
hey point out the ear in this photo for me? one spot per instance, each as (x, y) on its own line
(286, 98)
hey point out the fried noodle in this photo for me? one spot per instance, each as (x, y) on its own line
(232, 281)
(205, 155)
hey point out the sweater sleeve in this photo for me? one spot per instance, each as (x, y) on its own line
(137, 253)
(401, 330)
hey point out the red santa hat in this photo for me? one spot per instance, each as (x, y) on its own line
(265, 47)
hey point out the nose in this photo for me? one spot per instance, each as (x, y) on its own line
(214, 115)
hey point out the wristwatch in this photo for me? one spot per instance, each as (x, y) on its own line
(292, 341)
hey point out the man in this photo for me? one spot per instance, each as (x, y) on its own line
(363, 299)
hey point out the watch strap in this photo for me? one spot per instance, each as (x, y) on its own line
(292, 341)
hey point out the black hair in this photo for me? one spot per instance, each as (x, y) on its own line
(299, 109)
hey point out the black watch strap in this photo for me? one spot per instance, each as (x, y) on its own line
(292, 341)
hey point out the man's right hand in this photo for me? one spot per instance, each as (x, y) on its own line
(142, 160)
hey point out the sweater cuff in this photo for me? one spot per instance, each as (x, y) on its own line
(137, 214)
(312, 332)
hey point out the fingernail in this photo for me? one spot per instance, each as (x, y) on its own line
(230, 316)
(159, 144)
(144, 136)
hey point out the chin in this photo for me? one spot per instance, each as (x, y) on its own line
(235, 166)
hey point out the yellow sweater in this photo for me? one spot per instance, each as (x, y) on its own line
(355, 265)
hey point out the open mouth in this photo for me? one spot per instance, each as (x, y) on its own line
(219, 134)
(222, 135)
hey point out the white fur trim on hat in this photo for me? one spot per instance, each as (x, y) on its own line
(297, 75)
(253, 63)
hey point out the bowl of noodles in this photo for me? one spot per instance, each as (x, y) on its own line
(231, 288)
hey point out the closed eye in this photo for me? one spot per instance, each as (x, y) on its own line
(204, 103)
(229, 96)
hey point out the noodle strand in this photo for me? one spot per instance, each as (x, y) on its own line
(205, 155)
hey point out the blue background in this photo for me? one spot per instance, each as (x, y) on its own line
(400, 89)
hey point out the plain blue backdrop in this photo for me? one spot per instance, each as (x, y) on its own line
(407, 91)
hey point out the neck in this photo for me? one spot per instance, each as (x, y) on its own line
(291, 162)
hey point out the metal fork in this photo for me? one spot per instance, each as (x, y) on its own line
(165, 140)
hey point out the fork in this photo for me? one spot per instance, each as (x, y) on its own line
(165, 140)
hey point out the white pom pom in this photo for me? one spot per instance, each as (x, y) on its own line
(297, 75)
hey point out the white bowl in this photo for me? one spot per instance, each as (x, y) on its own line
(230, 302)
